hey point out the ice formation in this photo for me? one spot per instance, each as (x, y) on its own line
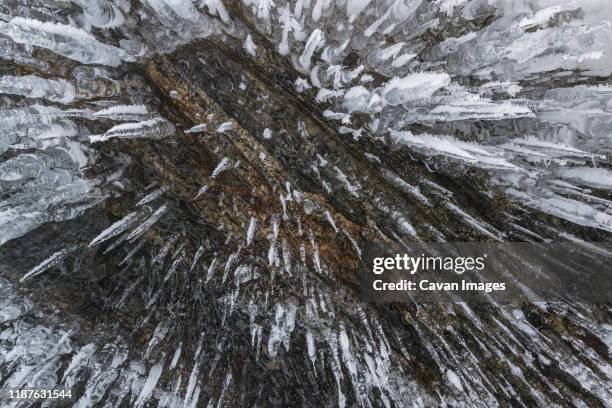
(203, 177)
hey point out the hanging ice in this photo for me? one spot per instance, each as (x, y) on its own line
(142, 228)
(123, 112)
(250, 46)
(413, 87)
(101, 13)
(62, 39)
(157, 128)
(316, 39)
(32, 86)
(115, 229)
(251, 231)
(50, 262)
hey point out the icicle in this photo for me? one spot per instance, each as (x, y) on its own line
(598, 178)
(201, 191)
(284, 205)
(177, 354)
(355, 245)
(249, 46)
(263, 8)
(172, 269)
(161, 255)
(282, 327)
(130, 289)
(402, 224)
(272, 252)
(14, 119)
(469, 153)
(314, 77)
(245, 273)
(32, 86)
(286, 256)
(301, 85)
(152, 196)
(185, 10)
(71, 42)
(403, 60)
(195, 397)
(130, 254)
(251, 231)
(157, 128)
(211, 270)
(275, 222)
(356, 99)
(341, 177)
(224, 127)
(101, 13)
(332, 342)
(216, 6)
(479, 226)
(79, 360)
(318, 8)
(355, 7)
(124, 113)
(331, 55)
(159, 334)
(196, 258)
(228, 264)
(316, 39)
(413, 87)
(40, 136)
(315, 253)
(193, 378)
(141, 229)
(405, 187)
(223, 165)
(331, 220)
(197, 128)
(19, 169)
(566, 208)
(50, 262)
(312, 350)
(325, 95)
(350, 363)
(226, 383)
(376, 24)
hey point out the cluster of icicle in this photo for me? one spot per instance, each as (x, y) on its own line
(41, 135)
(550, 158)
(47, 146)
(43, 174)
(342, 344)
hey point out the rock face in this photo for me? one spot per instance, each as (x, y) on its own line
(188, 189)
